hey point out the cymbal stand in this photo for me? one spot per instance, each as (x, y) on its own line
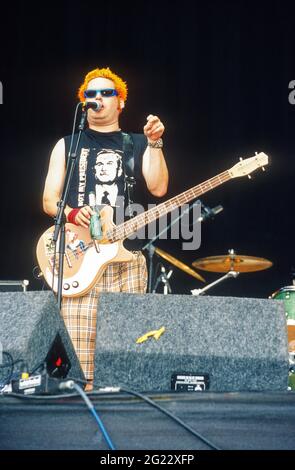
(164, 279)
(233, 274)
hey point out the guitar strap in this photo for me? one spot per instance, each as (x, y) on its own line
(128, 170)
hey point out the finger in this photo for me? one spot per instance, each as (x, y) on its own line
(158, 128)
(82, 220)
(83, 224)
(155, 133)
(79, 221)
(83, 216)
(86, 211)
(148, 126)
(151, 119)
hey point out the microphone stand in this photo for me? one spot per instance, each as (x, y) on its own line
(60, 219)
(151, 249)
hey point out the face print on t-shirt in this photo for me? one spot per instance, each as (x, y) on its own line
(107, 171)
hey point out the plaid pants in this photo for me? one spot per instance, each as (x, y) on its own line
(79, 313)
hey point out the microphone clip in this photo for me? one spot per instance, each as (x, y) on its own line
(208, 213)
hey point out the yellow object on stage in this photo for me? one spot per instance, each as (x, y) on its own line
(151, 334)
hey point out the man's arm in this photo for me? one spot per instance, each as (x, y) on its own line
(54, 179)
(54, 186)
(154, 168)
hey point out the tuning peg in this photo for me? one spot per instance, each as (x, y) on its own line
(250, 177)
(263, 169)
(241, 159)
(256, 153)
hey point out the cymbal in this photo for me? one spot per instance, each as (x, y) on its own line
(232, 262)
(178, 264)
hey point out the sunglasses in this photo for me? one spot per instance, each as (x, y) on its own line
(105, 92)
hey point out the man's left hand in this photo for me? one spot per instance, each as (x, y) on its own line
(154, 128)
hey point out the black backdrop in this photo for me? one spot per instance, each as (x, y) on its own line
(217, 73)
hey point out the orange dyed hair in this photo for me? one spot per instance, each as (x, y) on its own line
(120, 85)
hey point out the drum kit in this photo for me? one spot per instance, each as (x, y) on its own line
(287, 294)
(232, 264)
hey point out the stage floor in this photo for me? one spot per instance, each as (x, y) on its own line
(231, 421)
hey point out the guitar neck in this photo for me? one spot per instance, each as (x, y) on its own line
(126, 229)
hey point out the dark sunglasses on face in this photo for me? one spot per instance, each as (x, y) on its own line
(105, 92)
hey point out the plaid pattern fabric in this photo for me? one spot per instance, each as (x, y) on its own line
(79, 313)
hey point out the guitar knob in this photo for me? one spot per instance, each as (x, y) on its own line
(75, 284)
(66, 286)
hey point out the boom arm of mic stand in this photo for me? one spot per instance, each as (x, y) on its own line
(151, 249)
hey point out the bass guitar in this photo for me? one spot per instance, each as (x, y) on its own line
(86, 259)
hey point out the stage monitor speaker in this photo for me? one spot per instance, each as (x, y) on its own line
(32, 330)
(209, 343)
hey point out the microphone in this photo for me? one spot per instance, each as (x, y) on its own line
(95, 105)
(208, 213)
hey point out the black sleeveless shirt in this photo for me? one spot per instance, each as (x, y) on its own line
(100, 168)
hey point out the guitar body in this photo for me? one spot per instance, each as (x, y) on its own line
(85, 260)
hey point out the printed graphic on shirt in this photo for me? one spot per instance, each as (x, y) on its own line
(108, 170)
(101, 172)
(82, 176)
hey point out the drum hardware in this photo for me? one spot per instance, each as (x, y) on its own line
(233, 274)
(291, 379)
(164, 276)
(164, 279)
(151, 249)
(205, 213)
(287, 294)
(232, 262)
(178, 264)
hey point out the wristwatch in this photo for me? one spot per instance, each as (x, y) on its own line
(157, 144)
